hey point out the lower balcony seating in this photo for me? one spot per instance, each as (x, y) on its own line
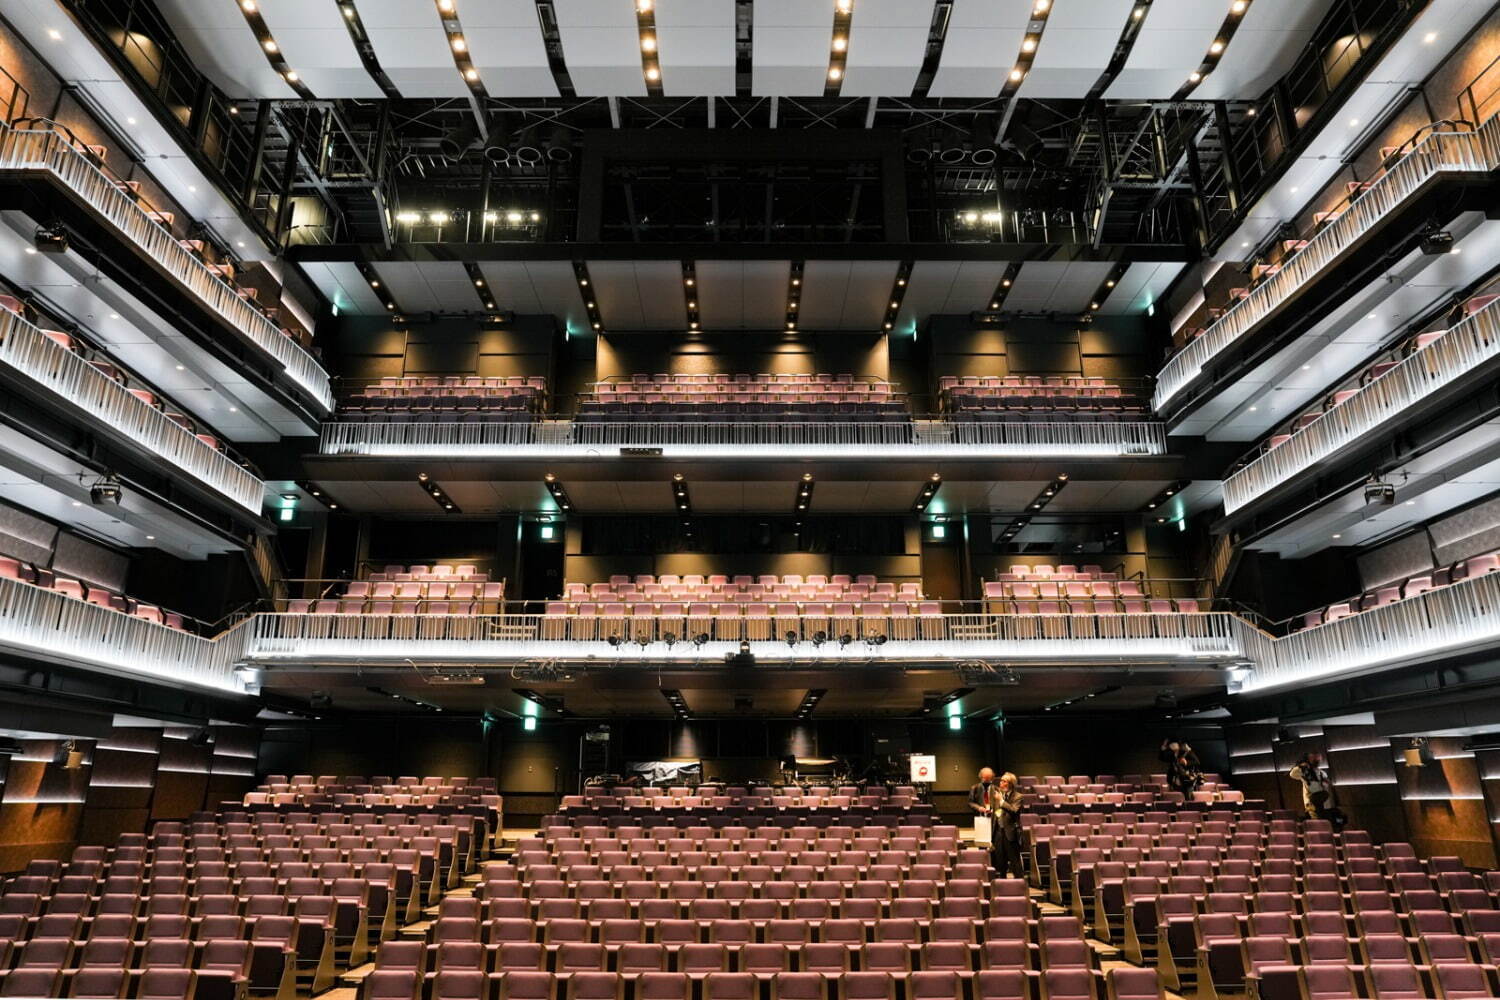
(1044, 589)
(743, 588)
(1399, 590)
(1034, 398)
(100, 362)
(1389, 360)
(441, 589)
(442, 399)
(15, 569)
(654, 398)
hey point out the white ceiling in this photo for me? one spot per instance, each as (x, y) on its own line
(791, 46)
(739, 295)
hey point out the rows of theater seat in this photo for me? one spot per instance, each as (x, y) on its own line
(1372, 372)
(1044, 589)
(443, 398)
(38, 576)
(442, 589)
(733, 618)
(725, 397)
(707, 806)
(98, 361)
(1279, 910)
(1008, 397)
(378, 794)
(742, 588)
(1436, 579)
(276, 904)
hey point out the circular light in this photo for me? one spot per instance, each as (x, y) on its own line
(1016, 73)
(446, 6)
(834, 73)
(840, 43)
(1238, 6)
(459, 45)
(1029, 45)
(478, 282)
(249, 6)
(648, 43)
(1138, 13)
(349, 12)
(1041, 7)
(653, 74)
(644, 6)
(1216, 47)
(270, 44)
(1195, 76)
(471, 74)
(291, 76)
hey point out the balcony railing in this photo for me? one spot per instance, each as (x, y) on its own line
(799, 639)
(40, 149)
(1469, 344)
(810, 439)
(1475, 152)
(24, 348)
(58, 628)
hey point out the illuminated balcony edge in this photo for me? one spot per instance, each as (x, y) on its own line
(1437, 153)
(741, 440)
(31, 353)
(1473, 342)
(42, 149)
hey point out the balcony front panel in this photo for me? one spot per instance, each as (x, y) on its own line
(29, 352)
(812, 439)
(27, 151)
(1440, 153)
(1460, 351)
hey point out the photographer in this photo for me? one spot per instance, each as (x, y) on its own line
(1007, 817)
(1317, 790)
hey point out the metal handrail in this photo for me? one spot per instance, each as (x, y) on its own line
(1438, 152)
(27, 350)
(34, 149)
(738, 438)
(1469, 344)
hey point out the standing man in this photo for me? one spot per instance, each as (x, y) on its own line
(1317, 790)
(1008, 821)
(982, 796)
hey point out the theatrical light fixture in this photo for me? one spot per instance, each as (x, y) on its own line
(107, 490)
(803, 500)
(794, 292)
(898, 293)
(679, 705)
(810, 702)
(591, 309)
(1434, 241)
(51, 239)
(645, 22)
(439, 495)
(838, 46)
(689, 293)
(1380, 493)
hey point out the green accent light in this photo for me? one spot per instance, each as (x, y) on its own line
(955, 722)
(529, 723)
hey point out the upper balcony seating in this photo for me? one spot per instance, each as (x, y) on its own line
(1398, 590)
(440, 399)
(1043, 589)
(1031, 397)
(99, 361)
(743, 589)
(442, 589)
(726, 397)
(1371, 372)
(15, 569)
(304, 791)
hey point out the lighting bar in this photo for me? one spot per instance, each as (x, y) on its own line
(439, 495)
(459, 46)
(1121, 53)
(1160, 500)
(645, 19)
(481, 287)
(1216, 48)
(928, 491)
(1050, 491)
(810, 702)
(838, 47)
(1014, 528)
(1104, 290)
(1110, 689)
(542, 701)
(366, 49)
(679, 705)
(942, 701)
(319, 494)
(680, 499)
(794, 292)
(1030, 42)
(898, 292)
(377, 286)
(690, 294)
(803, 500)
(586, 289)
(1002, 289)
(404, 698)
(559, 495)
(272, 51)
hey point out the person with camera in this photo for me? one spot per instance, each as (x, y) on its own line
(998, 803)
(1317, 789)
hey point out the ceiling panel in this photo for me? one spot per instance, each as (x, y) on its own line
(887, 43)
(220, 42)
(792, 42)
(1263, 48)
(743, 295)
(640, 295)
(341, 284)
(537, 287)
(1170, 45)
(1142, 286)
(1056, 285)
(315, 42)
(948, 287)
(1076, 46)
(695, 47)
(412, 47)
(846, 295)
(601, 42)
(984, 38)
(505, 45)
(430, 286)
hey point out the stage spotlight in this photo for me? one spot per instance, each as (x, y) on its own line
(791, 638)
(819, 638)
(51, 239)
(614, 640)
(106, 490)
(670, 638)
(700, 639)
(845, 639)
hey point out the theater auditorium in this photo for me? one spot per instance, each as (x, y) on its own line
(750, 499)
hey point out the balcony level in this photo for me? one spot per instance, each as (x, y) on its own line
(1397, 202)
(136, 267)
(1397, 392)
(44, 365)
